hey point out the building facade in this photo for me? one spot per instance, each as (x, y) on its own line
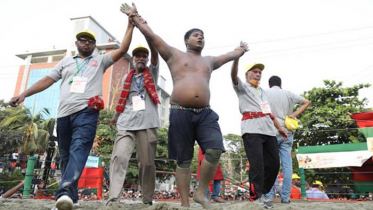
(38, 64)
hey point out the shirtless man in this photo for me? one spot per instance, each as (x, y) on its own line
(191, 117)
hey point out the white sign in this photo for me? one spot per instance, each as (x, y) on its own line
(92, 162)
(333, 159)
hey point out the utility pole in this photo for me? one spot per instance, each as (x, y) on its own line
(241, 166)
(230, 165)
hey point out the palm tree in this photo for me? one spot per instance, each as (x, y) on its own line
(9, 139)
(37, 129)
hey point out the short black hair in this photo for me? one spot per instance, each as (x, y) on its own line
(274, 81)
(188, 33)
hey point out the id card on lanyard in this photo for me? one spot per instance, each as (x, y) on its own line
(139, 100)
(264, 105)
(138, 103)
(78, 83)
(266, 109)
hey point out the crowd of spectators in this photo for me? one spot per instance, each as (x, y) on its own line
(349, 194)
(87, 195)
(17, 162)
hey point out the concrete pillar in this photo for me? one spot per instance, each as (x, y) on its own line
(25, 73)
(303, 183)
(29, 174)
(50, 59)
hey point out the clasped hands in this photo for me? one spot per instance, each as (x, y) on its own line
(131, 12)
(243, 46)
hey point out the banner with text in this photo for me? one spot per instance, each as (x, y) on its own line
(333, 159)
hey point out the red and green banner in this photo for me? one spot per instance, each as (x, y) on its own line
(362, 176)
(363, 119)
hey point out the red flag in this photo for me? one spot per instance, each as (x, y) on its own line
(363, 119)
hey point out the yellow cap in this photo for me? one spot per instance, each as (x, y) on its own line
(139, 48)
(318, 183)
(291, 124)
(252, 65)
(295, 176)
(86, 33)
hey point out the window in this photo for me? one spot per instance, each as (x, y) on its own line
(45, 99)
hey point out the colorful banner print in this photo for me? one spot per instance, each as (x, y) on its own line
(333, 159)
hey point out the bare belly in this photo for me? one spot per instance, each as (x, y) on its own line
(191, 93)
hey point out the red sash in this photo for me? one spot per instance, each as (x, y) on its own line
(253, 115)
(149, 86)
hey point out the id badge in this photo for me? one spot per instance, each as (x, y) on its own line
(138, 103)
(266, 109)
(78, 85)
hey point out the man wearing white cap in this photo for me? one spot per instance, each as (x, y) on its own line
(282, 103)
(258, 132)
(136, 119)
(78, 109)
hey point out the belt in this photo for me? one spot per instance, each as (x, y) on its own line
(195, 110)
(254, 115)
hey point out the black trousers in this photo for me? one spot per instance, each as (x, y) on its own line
(263, 155)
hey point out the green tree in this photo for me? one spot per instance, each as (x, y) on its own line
(10, 139)
(327, 120)
(194, 165)
(34, 127)
(14, 179)
(234, 160)
(105, 137)
(162, 163)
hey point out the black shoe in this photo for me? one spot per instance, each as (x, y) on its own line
(284, 201)
(150, 203)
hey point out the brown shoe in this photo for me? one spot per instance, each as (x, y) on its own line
(218, 200)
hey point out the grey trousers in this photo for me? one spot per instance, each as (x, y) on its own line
(146, 144)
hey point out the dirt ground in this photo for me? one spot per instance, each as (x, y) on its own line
(18, 204)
